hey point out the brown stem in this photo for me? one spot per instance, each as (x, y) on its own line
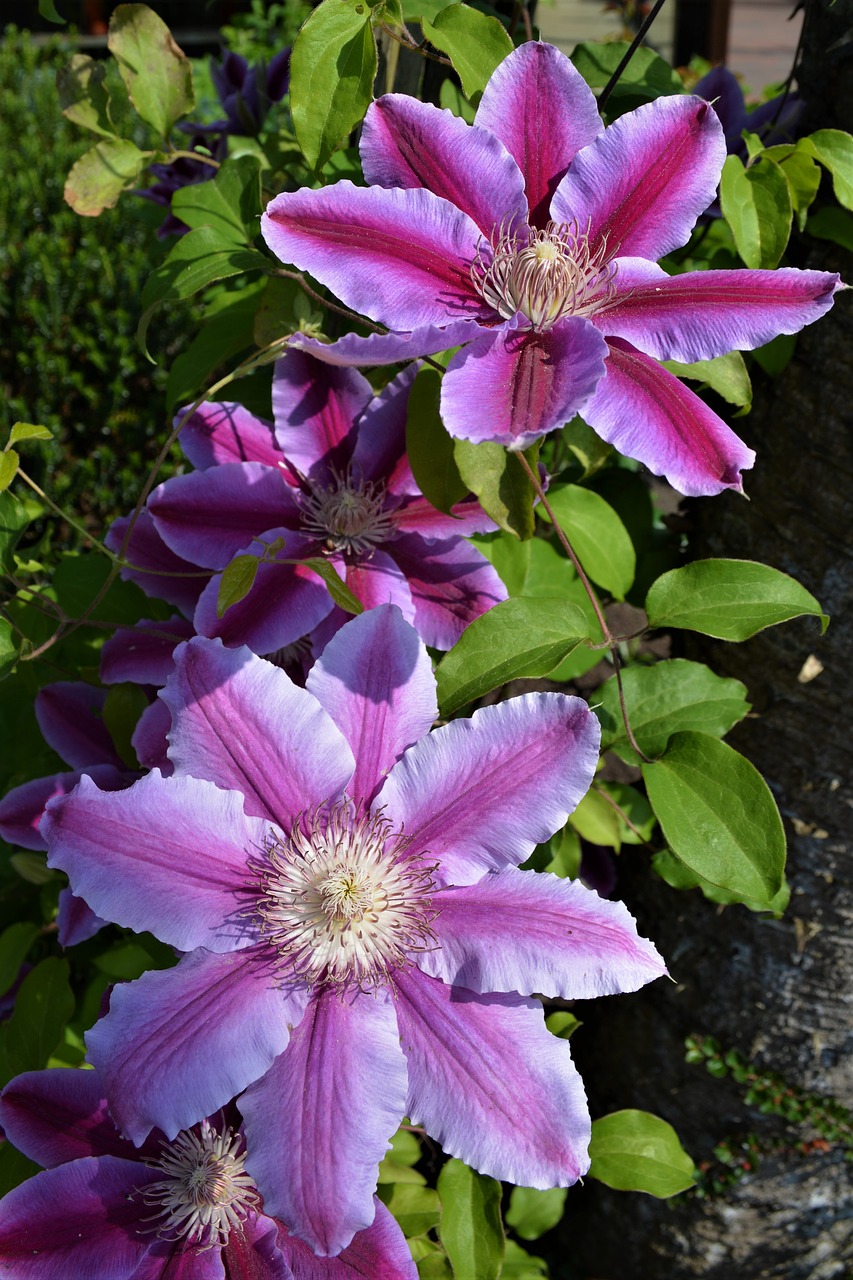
(629, 732)
(623, 815)
(330, 306)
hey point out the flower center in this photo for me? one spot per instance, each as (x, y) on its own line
(545, 274)
(341, 899)
(349, 515)
(205, 1192)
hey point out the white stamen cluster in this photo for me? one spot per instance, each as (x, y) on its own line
(205, 1192)
(341, 901)
(545, 274)
(349, 515)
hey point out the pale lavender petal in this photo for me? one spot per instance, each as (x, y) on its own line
(406, 143)
(57, 1116)
(381, 444)
(452, 583)
(379, 580)
(70, 715)
(22, 808)
(169, 855)
(142, 653)
(543, 111)
(512, 386)
(480, 794)
(321, 1119)
(244, 724)
(178, 1044)
(400, 257)
(209, 516)
(379, 1252)
(226, 432)
(168, 576)
(702, 314)
(75, 920)
(647, 414)
(316, 406)
(640, 187)
(535, 933)
(491, 1084)
(375, 680)
(82, 1219)
(419, 516)
(389, 348)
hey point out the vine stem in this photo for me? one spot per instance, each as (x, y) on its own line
(193, 155)
(629, 53)
(609, 641)
(63, 514)
(623, 815)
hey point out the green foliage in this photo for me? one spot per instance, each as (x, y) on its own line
(475, 43)
(647, 75)
(636, 1151)
(429, 448)
(599, 537)
(332, 69)
(471, 1229)
(531, 1213)
(729, 599)
(497, 478)
(157, 74)
(756, 203)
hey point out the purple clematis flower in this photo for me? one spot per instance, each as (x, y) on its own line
(359, 943)
(180, 1210)
(775, 121)
(531, 237)
(331, 479)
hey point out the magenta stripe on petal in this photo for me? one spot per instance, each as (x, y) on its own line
(226, 432)
(640, 187)
(379, 1252)
(316, 406)
(647, 414)
(543, 111)
(406, 143)
(399, 257)
(491, 1084)
(512, 386)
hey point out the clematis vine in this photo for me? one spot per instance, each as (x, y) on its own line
(330, 479)
(358, 941)
(531, 238)
(184, 1209)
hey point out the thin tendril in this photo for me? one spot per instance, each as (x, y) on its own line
(634, 46)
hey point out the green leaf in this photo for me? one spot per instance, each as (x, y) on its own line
(662, 700)
(498, 480)
(236, 582)
(517, 638)
(83, 96)
(597, 821)
(415, 10)
(43, 1005)
(429, 447)
(227, 330)
(32, 867)
(775, 356)
(561, 855)
(474, 42)
(29, 431)
(397, 1164)
(78, 579)
(727, 375)
(15, 1168)
(200, 257)
(834, 149)
(230, 202)
(718, 816)
(471, 1229)
(802, 175)
(636, 1151)
(337, 589)
(531, 1213)
(100, 175)
(832, 224)
(417, 1209)
(551, 576)
(124, 705)
(9, 460)
(15, 942)
(728, 599)
(756, 203)
(562, 1023)
(157, 74)
(678, 876)
(599, 538)
(9, 650)
(48, 10)
(332, 69)
(647, 75)
(452, 99)
(520, 1265)
(509, 557)
(588, 447)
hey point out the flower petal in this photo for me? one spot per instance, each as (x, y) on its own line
(287, 757)
(512, 386)
(702, 314)
(70, 715)
(255, 1251)
(22, 808)
(640, 187)
(57, 1116)
(226, 432)
(320, 1121)
(419, 516)
(379, 580)
(400, 257)
(76, 922)
(158, 571)
(316, 407)
(209, 516)
(480, 794)
(375, 680)
(381, 443)
(649, 415)
(543, 111)
(143, 653)
(150, 738)
(406, 143)
(389, 348)
(169, 855)
(491, 1084)
(379, 1252)
(534, 933)
(178, 1044)
(452, 583)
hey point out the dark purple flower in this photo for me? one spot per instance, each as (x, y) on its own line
(247, 93)
(532, 238)
(775, 121)
(183, 1209)
(330, 479)
(359, 944)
